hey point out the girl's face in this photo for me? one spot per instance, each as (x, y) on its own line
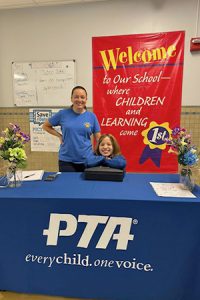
(79, 99)
(106, 147)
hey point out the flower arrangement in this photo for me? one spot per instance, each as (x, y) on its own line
(12, 144)
(180, 143)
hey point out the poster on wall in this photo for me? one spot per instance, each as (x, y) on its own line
(40, 139)
(137, 90)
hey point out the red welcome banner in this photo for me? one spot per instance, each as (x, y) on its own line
(137, 88)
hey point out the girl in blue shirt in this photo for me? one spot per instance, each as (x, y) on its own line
(107, 154)
(77, 127)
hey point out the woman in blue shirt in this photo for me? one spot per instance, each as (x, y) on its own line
(77, 127)
(107, 154)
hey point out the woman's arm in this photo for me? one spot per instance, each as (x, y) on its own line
(97, 136)
(49, 128)
(94, 139)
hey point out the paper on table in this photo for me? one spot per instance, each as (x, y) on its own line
(171, 190)
(29, 175)
(32, 175)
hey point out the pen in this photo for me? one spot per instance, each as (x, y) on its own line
(27, 176)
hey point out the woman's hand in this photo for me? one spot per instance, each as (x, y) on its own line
(49, 128)
(61, 140)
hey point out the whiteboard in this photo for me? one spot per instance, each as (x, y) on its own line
(47, 83)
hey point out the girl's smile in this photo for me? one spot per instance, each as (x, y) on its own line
(106, 147)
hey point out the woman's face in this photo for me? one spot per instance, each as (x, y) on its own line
(79, 99)
(106, 147)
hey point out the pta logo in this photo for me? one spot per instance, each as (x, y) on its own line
(91, 223)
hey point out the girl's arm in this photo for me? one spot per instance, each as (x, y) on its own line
(117, 162)
(94, 160)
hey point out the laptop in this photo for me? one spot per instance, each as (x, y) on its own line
(104, 174)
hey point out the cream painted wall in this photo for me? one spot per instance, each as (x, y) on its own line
(65, 32)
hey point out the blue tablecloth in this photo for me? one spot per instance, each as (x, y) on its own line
(101, 240)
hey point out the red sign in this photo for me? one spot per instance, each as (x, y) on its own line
(137, 87)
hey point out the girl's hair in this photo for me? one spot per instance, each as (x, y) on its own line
(116, 147)
(78, 87)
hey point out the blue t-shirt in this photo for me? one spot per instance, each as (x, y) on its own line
(76, 131)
